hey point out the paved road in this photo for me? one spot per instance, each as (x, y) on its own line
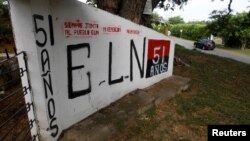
(218, 52)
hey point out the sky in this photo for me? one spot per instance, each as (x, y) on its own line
(199, 10)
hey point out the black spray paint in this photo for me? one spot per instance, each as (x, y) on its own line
(46, 76)
(141, 67)
(114, 81)
(70, 48)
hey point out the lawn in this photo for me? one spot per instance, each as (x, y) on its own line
(219, 94)
(238, 51)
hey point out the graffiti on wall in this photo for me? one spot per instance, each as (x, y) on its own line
(157, 63)
(43, 44)
(111, 80)
(158, 55)
(80, 29)
(111, 29)
(133, 31)
(72, 93)
(77, 28)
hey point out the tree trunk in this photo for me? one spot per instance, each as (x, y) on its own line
(111, 6)
(132, 9)
(129, 9)
(146, 20)
(243, 44)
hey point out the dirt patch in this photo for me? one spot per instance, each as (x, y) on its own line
(9, 46)
(14, 124)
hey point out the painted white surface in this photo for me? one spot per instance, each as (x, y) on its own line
(110, 29)
(21, 17)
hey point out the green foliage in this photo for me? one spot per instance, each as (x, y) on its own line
(176, 20)
(238, 51)
(234, 29)
(158, 23)
(5, 26)
(191, 31)
(3, 9)
(5, 33)
(156, 18)
(218, 83)
(159, 27)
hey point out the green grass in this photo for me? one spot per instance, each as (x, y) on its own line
(222, 90)
(238, 51)
(219, 94)
(151, 111)
(120, 126)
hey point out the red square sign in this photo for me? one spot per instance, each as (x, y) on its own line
(158, 55)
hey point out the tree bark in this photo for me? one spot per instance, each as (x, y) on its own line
(111, 6)
(132, 9)
(129, 9)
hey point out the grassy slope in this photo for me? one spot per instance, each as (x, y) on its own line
(239, 51)
(219, 94)
(221, 84)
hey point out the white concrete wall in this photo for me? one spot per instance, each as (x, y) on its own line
(81, 59)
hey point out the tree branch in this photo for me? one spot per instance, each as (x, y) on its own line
(229, 7)
(155, 3)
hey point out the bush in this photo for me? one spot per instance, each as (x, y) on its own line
(6, 33)
(9, 74)
(191, 31)
(5, 25)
